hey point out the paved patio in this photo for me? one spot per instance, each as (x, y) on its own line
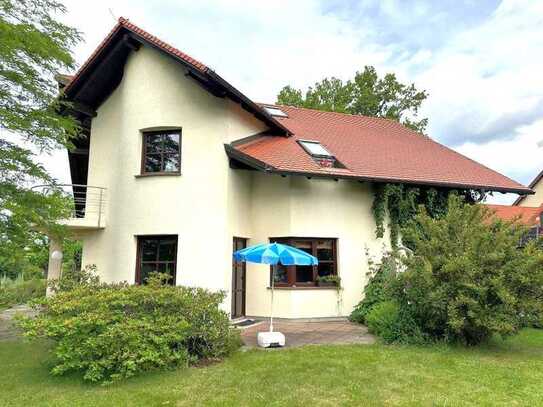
(299, 333)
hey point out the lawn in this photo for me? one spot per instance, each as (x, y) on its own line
(500, 373)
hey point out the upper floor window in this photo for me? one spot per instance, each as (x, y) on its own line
(161, 152)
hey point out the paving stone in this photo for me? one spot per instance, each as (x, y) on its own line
(315, 333)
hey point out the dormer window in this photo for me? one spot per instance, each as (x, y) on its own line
(320, 154)
(274, 111)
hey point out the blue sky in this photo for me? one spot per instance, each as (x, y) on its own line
(481, 61)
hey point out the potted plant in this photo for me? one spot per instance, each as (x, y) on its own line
(328, 281)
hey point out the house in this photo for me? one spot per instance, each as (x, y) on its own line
(536, 199)
(176, 169)
(527, 209)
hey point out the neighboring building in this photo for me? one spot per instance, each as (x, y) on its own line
(532, 217)
(177, 169)
(536, 199)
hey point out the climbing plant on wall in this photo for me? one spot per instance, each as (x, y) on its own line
(400, 202)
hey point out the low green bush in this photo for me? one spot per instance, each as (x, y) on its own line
(20, 291)
(381, 276)
(110, 332)
(394, 324)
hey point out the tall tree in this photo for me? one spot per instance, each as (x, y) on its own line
(367, 94)
(34, 46)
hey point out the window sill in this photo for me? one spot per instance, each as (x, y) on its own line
(302, 288)
(158, 174)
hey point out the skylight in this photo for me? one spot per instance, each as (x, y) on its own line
(274, 111)
(315, 148)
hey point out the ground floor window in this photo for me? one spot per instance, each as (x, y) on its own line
(156, 253)
(324, 249)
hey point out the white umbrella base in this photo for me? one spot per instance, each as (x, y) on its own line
(270, 339)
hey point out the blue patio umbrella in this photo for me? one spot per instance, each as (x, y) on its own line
(274, 254)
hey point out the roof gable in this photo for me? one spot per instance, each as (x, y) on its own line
(103, 71)
(534, 182)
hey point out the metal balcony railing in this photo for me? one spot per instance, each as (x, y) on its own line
(89, 202)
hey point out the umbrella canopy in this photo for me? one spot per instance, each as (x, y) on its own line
(275, 253)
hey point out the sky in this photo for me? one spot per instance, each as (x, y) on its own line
(481, 61)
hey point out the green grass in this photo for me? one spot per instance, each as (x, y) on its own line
(500, 373)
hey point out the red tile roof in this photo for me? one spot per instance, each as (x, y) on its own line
(526, 215)
(209, 74)
(370, 148)
(125, 23)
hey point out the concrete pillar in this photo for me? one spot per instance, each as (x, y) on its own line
(55, 262)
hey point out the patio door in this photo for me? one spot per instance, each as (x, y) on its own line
(238, 281)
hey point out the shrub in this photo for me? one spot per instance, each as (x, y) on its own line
(20, 291)
(110, 332)
(393, 324)
(468, 279)
(377, 289)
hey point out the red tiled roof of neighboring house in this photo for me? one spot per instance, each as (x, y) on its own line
(370, 148)
(532, 184)
(529, 216)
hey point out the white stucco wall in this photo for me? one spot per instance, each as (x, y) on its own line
(536, 199)
(209, 203)
(301, 207)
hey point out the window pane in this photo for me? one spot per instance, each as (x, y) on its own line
(153, 143)
(315, 148)
(167, 250)
(325, 250)
(304, 274)
(171, 162)
(281, 274)
(152, 163)
(325, 269)
(149, 249)
(171, 143)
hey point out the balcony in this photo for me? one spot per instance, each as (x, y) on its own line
(88, 208)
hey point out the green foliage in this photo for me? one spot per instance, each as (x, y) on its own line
(393, 324)
(401, 202)
(35, 45)
(331, 278)
(20, 290)
(468, 278)
(110, 332)
(367, 94)
(381, 275)
(72, 278)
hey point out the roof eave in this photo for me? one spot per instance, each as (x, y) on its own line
(116, 34)
(234, 153)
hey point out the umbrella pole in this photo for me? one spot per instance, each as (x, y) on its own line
(272, 284)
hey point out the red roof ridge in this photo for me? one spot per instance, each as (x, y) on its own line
(133, 27)
(125, 23)
(337, 113)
